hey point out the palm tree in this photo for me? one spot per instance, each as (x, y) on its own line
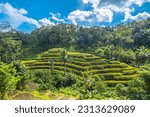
(52, 66)
(89, 80)
(65, 58)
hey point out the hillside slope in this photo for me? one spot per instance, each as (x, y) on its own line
(114, 72)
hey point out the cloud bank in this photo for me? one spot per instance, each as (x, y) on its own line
(104, 10)
(16, 17)
(94, 11)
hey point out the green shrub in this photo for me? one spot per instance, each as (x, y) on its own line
(121, 90)
(69, 80)
(42, 77)
(23, 75)
(133, 91)
(7, 80)
(100, 87)
(146, 76)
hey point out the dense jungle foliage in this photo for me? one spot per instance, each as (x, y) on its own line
(123, 44)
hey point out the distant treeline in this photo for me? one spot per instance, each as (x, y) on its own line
(129, 43)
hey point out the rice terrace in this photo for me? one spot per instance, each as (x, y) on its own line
(98, 52)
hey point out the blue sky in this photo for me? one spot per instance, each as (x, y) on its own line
(26, 15)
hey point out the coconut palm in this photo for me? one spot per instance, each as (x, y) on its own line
(65, 58)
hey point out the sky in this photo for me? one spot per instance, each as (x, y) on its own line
(26, 15)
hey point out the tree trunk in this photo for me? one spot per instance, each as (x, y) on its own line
(52, 68)
(64, 69)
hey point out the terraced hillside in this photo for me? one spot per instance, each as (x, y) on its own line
(114, 72)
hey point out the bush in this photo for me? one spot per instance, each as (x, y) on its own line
(146, 76)
(42, 77)
(69, 80)
(121, 90)
(133, 91)
(100, 87)
(7, 80)
(23, 75)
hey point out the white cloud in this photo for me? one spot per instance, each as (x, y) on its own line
(56, 17)
(23, 11)
(46, 22)
(94, 3)
(103, 15)
(122, 3)
(78, 15)
(101, 11)
(104, 10)
(140, 16)
(127, 13)
(15, 16)
(136, 2)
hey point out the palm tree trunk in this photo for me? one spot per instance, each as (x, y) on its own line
(64, 69)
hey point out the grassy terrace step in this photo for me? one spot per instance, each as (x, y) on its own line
(50, 55)
(108, 75)
(39, 64)
(67, 69)
(82, 55)
(39, 67)
(70, 65)
(54, 50)
(121, 65)
(129, 72)
(48, 64)
(56, 68)
(92, 58)
(86, 63)
(49, 58)
(95, 69)
(121, 77)
(114, 72)
(98, 62)
(128, 76)
(28, 62)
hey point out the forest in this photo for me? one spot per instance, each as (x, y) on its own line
(68, 61)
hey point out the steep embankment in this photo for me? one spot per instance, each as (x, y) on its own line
(114, 72)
